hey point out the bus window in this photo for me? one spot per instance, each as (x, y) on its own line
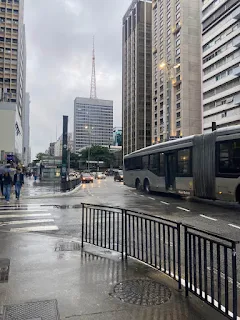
(229, 157)
(145, 162)
(156, 164)
(184, 168)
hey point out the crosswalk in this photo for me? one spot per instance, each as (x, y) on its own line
(26, 218)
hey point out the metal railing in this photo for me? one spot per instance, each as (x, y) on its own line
(211, 269)
(70, 184)
(205, 263)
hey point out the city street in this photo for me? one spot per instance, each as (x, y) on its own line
(61, 215)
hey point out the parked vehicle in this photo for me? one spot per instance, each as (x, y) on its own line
(118, 176)
(86, 177)
(100, 175)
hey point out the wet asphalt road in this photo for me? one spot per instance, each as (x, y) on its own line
(64, 213)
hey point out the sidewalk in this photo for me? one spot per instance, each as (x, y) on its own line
(51, 278)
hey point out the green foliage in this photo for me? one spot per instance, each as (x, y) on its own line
(98, 153)
(40, 156)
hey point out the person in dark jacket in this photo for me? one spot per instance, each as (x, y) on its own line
(1, 183)
(7, 184)
(18, 181)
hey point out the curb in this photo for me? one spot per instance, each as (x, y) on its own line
(55, 195)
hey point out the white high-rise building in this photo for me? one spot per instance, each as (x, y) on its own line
(93, 122)
(26, 130)
(12, 77)
(221, 63)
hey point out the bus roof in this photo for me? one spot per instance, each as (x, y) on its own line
(183, 142)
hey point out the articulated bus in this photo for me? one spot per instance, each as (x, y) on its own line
(205, 166)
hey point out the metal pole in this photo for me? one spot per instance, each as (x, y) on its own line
(89, 150)
(234, 275)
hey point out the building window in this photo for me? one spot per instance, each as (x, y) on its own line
(178, 105)
(178, 115)
(178, 124)
(178, 51)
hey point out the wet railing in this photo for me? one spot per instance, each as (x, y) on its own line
(203, 262)
(70, 184)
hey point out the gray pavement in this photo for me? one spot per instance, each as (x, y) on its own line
(46, 276)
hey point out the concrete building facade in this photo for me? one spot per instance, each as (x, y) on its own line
(26, 130)
(12, 71)
(57, 150)
(137, 76)
(221, 63)
(93, 122)
(176, 65)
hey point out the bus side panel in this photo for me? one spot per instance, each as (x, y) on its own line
(226, 188)
(184, 186)
(204, 166)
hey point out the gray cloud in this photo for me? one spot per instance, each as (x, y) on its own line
(59, 43)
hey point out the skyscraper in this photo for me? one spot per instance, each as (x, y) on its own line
(93, 122)
(137, 76)
(220, 63)
(26, 130)
(176, 109)
(12, 75)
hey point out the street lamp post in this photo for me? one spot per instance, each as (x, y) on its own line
(89, 139)
(170, 76)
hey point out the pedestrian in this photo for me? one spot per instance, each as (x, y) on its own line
(18, 181)
(1, 183)
(7, 185)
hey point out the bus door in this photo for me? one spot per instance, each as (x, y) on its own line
(170, 171)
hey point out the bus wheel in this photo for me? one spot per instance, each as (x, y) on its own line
(138, 184)
(238, 194)
(146, 186)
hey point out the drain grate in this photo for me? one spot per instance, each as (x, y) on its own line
(142, 292)
(68, 246)
(4, 270)
(40, 310)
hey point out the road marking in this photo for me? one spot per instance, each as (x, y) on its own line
(151, 198)
(234, 226)
(135, 193)
(167, 203)
(17, 215)
(39, 228)
(24, 210)
(26, 221)
(222, 275)
(184, 209)
(141, 195)
(213, 219)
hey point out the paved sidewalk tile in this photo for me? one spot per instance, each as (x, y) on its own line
(86, 285)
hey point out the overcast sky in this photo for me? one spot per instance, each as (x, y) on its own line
(59, 57)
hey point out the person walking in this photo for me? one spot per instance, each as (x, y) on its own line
(18, 181)
(7, 184)
(1, 183)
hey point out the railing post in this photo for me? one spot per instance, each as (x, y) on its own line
(179, 256)
(125, 233)
(186, 260)
(83, 223)
(234, 275)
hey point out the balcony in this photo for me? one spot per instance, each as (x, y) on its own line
(236, 42)
(236, 71)
(236, 101)
(236, 14)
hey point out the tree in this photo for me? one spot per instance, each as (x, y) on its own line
(98, 153)
(40, 155)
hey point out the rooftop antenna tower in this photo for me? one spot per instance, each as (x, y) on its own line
(93, 91)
